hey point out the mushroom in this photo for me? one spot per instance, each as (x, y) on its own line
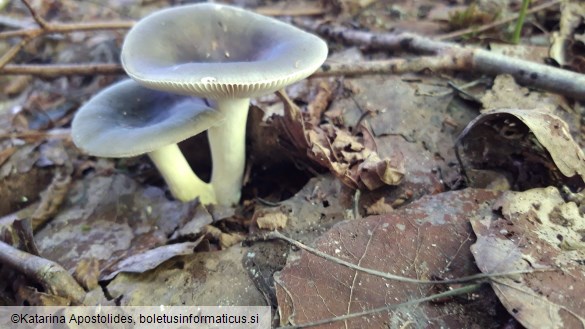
(228, 55)
(127, 120)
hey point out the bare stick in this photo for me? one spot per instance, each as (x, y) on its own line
(389, 66)
(455, 292)
(480, 276)
(45, 27)
(41, 21)
(57, 70)
(537, 75)
(9, 55)
(54, 278)
(56, 27)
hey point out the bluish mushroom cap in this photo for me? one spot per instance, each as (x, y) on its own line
(218, 51)
(127, 119)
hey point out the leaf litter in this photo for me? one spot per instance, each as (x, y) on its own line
(536, 229)
(391, 137)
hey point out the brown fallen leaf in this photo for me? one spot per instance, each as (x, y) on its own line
(534, 145)
(426, 239)
(150, 259)
(343, 154)
(536, 229)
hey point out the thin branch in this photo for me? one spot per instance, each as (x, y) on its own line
(68, 28)
(56, 70)
(541, 76)
(45, 27)
(455, 292)
(475, 277)
(52, 276)
(389, 66)
(483, 28)
(9, 55)
(41, 21)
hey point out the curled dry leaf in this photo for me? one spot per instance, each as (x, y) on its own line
(150, 259)
(534, 145)
(345, 155)
(537, 229)
(428, 239)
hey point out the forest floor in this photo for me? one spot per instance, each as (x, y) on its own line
(431, 150)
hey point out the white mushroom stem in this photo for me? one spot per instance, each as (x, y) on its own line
(182, 181)
(228, 150)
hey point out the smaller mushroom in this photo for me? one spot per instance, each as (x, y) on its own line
(126, 120)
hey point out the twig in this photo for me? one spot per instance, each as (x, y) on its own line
(56, 27)
(45, 27)
(55, 70)
(483, 28)
(41, 21)
(537, 75)
(389, 66)
(54, 278)
(480, 276)
(392, 66)
(455, 292)
(9, 55)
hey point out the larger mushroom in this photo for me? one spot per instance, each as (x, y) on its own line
(228, 55)
(127, 119)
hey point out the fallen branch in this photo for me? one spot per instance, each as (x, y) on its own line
(52, 276)
(391, 66)
(57, 70)
(537, 75)
(388, 66)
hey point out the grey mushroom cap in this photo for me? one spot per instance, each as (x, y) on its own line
(127, 119)
(219, 51)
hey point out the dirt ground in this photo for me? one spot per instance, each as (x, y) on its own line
(432, 151)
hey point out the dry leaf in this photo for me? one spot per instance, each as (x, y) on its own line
(534, 145)
(537, 229)
(150, 259)
(343, 154)
(427, 239)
